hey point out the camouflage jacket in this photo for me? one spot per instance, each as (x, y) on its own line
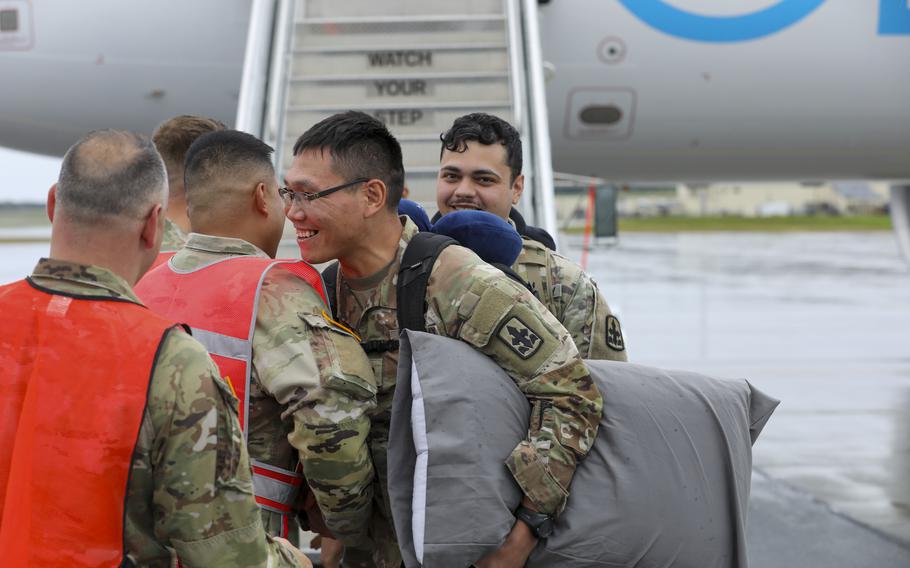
(573, 297)
(174, 237)
(310, 390)
(476, 303)
(190, 491)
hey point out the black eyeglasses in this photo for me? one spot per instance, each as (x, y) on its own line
(291, 197)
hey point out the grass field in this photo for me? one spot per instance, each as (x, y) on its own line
(759, 224)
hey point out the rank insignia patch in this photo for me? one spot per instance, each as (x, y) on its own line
(614, 334)
(520, 338)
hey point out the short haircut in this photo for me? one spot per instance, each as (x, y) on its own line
(109, 174)
(224, 155)
(174, 136)
(361, 147)
(488, 130)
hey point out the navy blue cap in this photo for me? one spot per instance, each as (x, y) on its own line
(492, 238)
(413, 210)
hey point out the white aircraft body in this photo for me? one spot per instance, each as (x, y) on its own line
(637, 90)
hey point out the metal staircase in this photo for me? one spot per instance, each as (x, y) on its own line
(414, 64)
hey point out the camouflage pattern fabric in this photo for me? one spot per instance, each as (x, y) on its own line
(477, 303)
(174, 237)
(311, 389)
(190, 492)
(573, 297)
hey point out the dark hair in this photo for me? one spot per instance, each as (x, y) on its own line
(110, 173)
(222, 153)
(486, 129)
(361, 146)
(174, 136)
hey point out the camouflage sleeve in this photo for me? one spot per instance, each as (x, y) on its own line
(319, 373)
(480, 305)
(202, 498)
(593, 327)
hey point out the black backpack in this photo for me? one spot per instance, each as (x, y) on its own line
(411, 292)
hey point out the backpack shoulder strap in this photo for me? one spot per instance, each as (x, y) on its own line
(413, 276)
(513, 275)
(330, 279)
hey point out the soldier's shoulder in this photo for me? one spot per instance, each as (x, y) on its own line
(566, 266)
(532, 253)
(183, 367)
(291, 291)
(457, 258)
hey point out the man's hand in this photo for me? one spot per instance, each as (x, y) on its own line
(299, 556)
(514, 551)
(331, 552)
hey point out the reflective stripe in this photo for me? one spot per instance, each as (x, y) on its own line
(274, 490)
(224, 345)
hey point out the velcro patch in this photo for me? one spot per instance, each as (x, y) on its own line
(520, 338)
(614, 334)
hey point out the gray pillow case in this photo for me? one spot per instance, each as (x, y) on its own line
(666, 483)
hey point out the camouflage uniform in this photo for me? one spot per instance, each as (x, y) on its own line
(572, 296)
(174, 237)
(190, 489)
(474, 302)
(311, 385)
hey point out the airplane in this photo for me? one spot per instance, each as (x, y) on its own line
(637, 90)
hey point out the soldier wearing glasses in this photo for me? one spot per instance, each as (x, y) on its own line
(356, 221)
(304, 383)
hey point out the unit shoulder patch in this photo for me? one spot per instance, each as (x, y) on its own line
(614, 334)
(520, 338)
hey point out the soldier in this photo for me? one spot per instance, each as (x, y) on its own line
(304, 382)
(172, 138)
(480, 168)
(344, 187)
(119, 442)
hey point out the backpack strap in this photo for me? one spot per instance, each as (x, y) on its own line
(330, 279)
(413, 276)
(514, 276)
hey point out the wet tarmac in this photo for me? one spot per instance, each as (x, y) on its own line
(819, 320)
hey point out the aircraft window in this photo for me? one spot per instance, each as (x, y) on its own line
(9, 20)
(608, 114)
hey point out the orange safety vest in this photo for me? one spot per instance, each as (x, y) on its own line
(219, 302)
(73, 387)
(161, 259)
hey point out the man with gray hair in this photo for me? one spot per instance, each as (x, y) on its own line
(119, 442)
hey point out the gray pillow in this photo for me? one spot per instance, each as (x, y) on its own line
(666, 483)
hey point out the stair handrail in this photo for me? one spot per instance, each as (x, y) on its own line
(256, 59)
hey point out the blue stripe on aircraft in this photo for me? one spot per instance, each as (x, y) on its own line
(723, 29)
(894, 17)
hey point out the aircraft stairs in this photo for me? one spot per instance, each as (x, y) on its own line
(414, 64)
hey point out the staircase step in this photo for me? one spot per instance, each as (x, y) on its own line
(398, 8)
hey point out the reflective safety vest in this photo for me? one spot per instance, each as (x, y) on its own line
(162, 258)
(219, 302)
(73, 387)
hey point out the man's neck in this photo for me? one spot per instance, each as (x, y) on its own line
(377, 249)
(236, 231)
(176, 213)
(97, 250)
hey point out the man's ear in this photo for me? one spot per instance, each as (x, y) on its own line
(376, 195)
(152, 226)
(51, 202)
(261, 199)
(518, 186)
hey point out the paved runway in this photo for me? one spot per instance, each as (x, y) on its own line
(819, 320)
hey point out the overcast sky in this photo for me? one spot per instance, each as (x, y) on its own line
(26, 177)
